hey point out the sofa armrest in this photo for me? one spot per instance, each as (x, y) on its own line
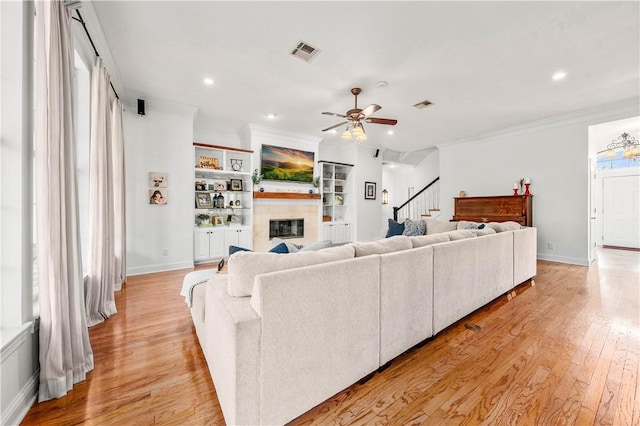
(232, 350)
(525, 249)
(320, 333)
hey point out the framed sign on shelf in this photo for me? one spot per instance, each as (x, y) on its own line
(236, 184)
(203, 200)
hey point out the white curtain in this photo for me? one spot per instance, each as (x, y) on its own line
(65, 351)
(101, 280)
(119, 230)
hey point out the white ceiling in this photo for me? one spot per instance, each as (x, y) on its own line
(484, 65)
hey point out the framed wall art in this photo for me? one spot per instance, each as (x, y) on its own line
(369, 190)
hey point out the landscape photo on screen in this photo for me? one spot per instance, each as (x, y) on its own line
(288, 164)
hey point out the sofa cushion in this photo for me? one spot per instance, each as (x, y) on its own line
(436, 226)
(395, 228)
(426, 240)
(461, 234)
(504, 226)
(244, 266)
(318, 245)
(465, 224)
(414, 228)
(484, 231)
(388, 245)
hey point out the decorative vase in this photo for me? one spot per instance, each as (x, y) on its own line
(261, 189)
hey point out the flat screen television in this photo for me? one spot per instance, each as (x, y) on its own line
(286, 164)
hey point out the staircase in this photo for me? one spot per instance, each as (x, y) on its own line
(425, 203)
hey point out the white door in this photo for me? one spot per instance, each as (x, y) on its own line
(621, 211)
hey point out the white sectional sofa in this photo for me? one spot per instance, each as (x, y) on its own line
(283, 333)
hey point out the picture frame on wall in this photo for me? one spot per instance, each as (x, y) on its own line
(203, 200)
(369, 190)
(236, 184)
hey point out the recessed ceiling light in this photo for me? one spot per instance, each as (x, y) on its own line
(559, 75)
(389, 132)
(208, 81)
(270, 115)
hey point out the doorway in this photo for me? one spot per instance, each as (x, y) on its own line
(614, 187)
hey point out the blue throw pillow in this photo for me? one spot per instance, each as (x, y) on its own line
(395, 228)
(280, 249)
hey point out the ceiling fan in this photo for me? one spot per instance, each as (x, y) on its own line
(355, 116)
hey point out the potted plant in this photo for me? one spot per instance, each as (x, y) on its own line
(256, 177)
(316, 183)
(203, 218)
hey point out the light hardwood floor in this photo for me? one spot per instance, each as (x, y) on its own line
(563, 351)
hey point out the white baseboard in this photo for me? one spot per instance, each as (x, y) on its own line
(159, 268)
(22, 402)
(563, 259)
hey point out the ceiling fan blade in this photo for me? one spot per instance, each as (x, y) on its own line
(375, 120)
(370, 110)
(333, 127)
(334, 114)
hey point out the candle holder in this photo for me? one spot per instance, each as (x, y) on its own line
(515, 192)
(526, 192)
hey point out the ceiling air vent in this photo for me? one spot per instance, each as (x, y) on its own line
(305, 51)
(422, 105)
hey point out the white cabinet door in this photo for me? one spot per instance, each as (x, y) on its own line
(327, 231)
(240, 237)
(217, 247)
(336, 232)
(201, 244)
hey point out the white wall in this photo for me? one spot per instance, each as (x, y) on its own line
(368, 212)
(160, 141)
(554, 154)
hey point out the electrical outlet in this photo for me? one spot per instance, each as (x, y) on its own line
(551, 246)
(165, 252)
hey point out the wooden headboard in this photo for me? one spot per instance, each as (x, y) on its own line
(501, 208)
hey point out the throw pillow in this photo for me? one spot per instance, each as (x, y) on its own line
(293, 248)
(474, 225)
(395, 228)
(412, 229)
(280, 249)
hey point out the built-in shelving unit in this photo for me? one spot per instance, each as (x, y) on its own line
(337, 197)
(222, 191)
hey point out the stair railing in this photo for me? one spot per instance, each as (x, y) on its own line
(426, 200)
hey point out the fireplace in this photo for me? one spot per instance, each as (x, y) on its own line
(286, 228)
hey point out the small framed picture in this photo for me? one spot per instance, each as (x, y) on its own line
(158, 179)
(369, 190)
(203, 200)
(219, 186)
(236, 184)
(219, 220)
(158, 196)
(235, 219)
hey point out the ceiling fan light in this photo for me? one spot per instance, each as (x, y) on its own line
(346, 134)
(610, 153)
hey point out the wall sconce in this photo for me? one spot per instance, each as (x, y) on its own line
(385, 196)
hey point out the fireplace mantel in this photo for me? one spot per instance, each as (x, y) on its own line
(286, 195)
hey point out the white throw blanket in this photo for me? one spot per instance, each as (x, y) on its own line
(192, 279)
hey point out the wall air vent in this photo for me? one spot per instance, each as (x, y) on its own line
(305, 51)
(422, 105)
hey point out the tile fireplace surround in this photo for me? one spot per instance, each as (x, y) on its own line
(266, 208)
